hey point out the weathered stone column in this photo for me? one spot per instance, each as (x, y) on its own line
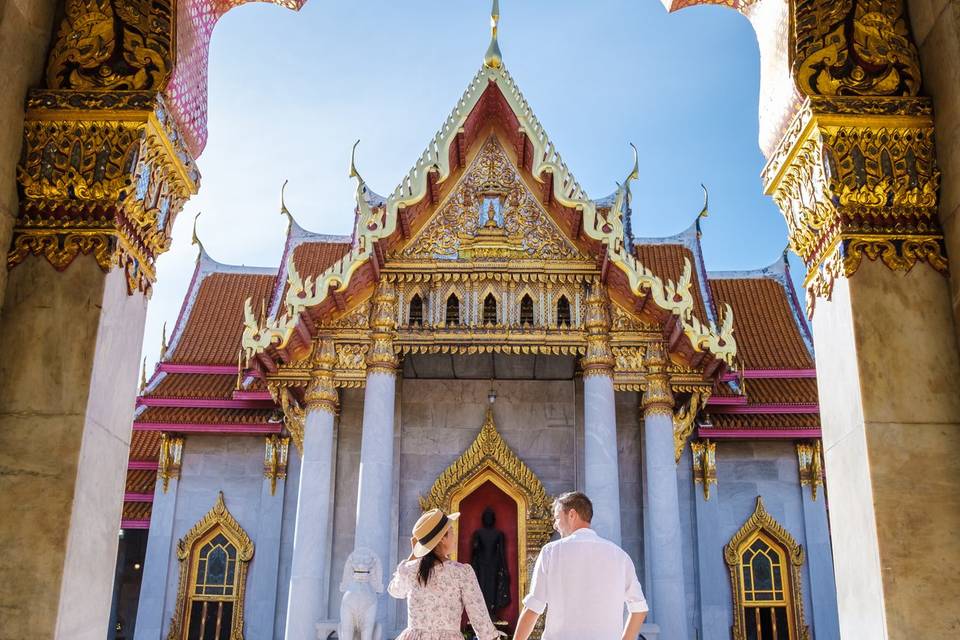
(669, 607)
(102, 177)
(601, 480)
(375, 495)
(307, 599)
(161, 544)
(856, 179)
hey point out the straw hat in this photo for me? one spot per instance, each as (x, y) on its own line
(430, 529)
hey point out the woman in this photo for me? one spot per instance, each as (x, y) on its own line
(438, 589)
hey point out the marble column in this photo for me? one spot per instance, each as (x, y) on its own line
(601, 480)
(716, 604)
(663, 526)
(375, 492)
(307, 596)
(160, 543)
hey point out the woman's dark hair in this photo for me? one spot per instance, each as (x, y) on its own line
(427, 563)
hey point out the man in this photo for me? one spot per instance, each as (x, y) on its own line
(584, 581)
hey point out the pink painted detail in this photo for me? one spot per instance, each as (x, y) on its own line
(205, 403)
(722, 401)
(212, 369)
(128, 523)
(253, 395)
(762, 434)
(769, 374)
(187, 88)
(142, 465)
(781, 409)
(265, 428)
(130, 496)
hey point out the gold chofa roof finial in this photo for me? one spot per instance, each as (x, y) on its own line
(493, 57)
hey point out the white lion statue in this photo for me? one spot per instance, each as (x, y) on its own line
(362, 582)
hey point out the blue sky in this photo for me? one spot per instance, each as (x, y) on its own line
(290, 92)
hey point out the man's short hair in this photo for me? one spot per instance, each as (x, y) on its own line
(577, 501)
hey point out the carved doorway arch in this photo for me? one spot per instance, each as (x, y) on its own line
(490, 459)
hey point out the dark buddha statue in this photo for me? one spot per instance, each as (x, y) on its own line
(489, 560)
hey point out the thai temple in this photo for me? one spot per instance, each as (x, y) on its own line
(487, 338)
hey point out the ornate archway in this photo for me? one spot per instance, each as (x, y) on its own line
(490, 459)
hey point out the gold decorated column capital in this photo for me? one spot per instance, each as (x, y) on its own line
(599, 359)
(382, 357)
(657, 396)
(321, 392)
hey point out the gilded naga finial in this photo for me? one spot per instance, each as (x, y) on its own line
(353, 164)
(705, 211)
(163, 343)
(196, 239)
(283, 204)
(143, 376)
(493, 58)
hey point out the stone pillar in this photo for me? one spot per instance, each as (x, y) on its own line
(307, 599)
(669, 609)
(816, 528)
(265, 572)
(601, 480)
(376, 490)
(856, 179)
(161, 544)
(715, 603)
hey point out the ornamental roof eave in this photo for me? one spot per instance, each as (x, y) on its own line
(376, 222)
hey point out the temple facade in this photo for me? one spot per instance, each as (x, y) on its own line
(487, 338)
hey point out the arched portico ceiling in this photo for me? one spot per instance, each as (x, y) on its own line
(378, 221)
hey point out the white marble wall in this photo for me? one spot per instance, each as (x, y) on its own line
(345, 488)
(629, 445)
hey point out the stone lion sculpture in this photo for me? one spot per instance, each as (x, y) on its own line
(361, 584)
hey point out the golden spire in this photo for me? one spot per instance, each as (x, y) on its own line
(143, 376)
(163, 343)
(493, 58)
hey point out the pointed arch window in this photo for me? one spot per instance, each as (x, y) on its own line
(526, 310)
(563, 312)
(764, 563)
(490, 309)
(453, 310)
(415, 314)
(214, 557)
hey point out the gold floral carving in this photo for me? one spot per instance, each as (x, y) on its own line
(105, 44)
(460, 227)
(321, 392)
(599, 359)
(704, 456)
(684, 420)
(629, 359)
(275, 453)
(810, 459)
(762, 522)
(102, 177)
(217, 520)
(352, 357)
(657, 397)
(382, 357)
(853, 187)
(489, 458)
(854, 47)
(170, 459)
(294, 416)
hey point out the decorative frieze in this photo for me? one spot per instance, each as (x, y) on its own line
(102, 174)
(810, 460)
(704, 457)
(275, 456)
(170, 459)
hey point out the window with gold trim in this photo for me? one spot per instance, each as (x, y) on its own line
(764, 562)
(213, 567)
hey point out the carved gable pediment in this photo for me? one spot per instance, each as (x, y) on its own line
(490, 215)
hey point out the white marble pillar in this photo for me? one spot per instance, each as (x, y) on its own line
(669, 609)
(265, 572)
(375, 494)
(601, 480)
(307, 596)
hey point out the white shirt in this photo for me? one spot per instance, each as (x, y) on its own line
(584, 580)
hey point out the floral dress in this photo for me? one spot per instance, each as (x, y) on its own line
(434, 611)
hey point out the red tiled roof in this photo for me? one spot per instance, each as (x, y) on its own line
(141, 481)
(763, 324)
(212, 332)
(195, 385)
(761, 421)
(666, 261)
(781, 390)
(137, 510)
(312, 258)
(145, 445)
(194, 415)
